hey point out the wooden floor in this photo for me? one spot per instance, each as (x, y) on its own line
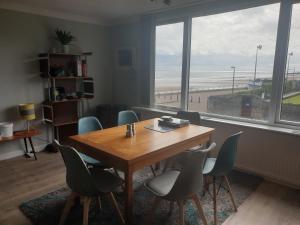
(23, 179)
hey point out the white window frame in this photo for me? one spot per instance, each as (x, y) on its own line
(279, 68)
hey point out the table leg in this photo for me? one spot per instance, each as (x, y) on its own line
(129, 197)
(32, 147)
(26, 149)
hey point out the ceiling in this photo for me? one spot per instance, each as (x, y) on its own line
(96, 11)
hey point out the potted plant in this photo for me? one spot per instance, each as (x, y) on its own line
(65, 38)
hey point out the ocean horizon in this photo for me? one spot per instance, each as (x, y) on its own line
(208, 80)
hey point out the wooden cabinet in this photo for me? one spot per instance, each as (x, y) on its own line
(67, 85)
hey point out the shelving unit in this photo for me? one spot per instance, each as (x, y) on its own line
(67, 86)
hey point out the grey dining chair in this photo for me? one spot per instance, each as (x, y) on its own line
(85, 125)
(194, 118)
(129, 117)
(86, 183)
(178, 186)
(221, 166)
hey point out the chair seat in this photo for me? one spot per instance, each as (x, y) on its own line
(162, 184)
(104, 180)
(209, 165)
(91, 161)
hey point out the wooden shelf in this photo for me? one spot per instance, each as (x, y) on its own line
(64, 114)
(65, 54)
(63, 123)
(66, 100)
(66, 78)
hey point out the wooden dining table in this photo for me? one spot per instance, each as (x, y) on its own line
(145, 148)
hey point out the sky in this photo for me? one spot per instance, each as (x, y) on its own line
(229, 39)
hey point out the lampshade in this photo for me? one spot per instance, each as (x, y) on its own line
(27, 111)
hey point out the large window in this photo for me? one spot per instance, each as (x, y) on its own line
(241, 64)
(290, 106)
(232, 57)
(168, 64)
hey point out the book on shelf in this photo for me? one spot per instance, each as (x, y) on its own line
(79, 67)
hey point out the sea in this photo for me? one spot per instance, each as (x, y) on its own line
(208, 80)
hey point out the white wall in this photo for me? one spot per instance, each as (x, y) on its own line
(22, 38)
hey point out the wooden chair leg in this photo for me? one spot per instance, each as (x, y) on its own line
(206, 185)
(181, 212)
(200, 209)
(168, 163)
(67, 208)
(171, 208)
(230, 193)
(215, 200)
(152, 210)
(117, 207)
(99, 201)
(86, 208)
(153, 171)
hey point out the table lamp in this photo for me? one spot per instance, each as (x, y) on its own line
(27, 112)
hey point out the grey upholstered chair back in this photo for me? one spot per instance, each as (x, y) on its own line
(226, 157)
(78, 175)
(190, 179)
(193, 117)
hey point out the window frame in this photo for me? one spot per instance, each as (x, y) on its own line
(279, 68)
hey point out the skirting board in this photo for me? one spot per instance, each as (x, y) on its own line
(20, 152)
(269, 177)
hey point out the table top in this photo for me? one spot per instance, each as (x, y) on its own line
(113, 142)
(21, 134)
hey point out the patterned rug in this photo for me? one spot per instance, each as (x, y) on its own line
(46, 209)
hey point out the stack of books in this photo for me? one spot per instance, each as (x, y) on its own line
(172, 122)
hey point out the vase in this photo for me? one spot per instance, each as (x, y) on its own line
(66, 49)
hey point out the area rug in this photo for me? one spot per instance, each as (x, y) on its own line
(46, 209)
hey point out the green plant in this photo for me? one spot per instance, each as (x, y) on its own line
(64, 37)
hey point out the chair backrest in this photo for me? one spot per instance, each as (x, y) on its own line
(193, 117)
(127, 117)
(78, 176)
(88, 124)
(226, 157)
(190, 179)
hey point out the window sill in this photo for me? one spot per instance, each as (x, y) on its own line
(272, 128)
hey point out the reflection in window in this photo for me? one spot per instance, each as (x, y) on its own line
(290, 107)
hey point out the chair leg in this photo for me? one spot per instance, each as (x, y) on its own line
(200, 209)
(152, 210)
(181, 212)
(86, 208)
(167, 163)
(67, 208)
(230, 193)
(206, 185)
(171, 207)
(99, 201)
(215, 200)
(117, 207)
(153, 171)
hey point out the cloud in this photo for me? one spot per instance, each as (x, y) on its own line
(232, 35)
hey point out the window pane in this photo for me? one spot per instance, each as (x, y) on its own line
(290, 106)
(168, 64)
(232, 57)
